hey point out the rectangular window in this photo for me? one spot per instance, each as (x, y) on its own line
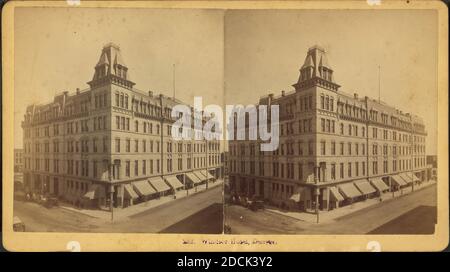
(322, 148)
(310, 148)
(118, 145)
(127, 168)
(333, 171)
(136, 168)
(300, 148)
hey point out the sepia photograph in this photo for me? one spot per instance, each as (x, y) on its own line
(357, 121)
(93, 101)
(225, 126)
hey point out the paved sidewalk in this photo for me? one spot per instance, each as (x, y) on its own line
(123, 213)
(328, 216)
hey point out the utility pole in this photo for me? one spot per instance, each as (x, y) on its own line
(111, 192)
(173, 80)
(316, 192)
(379, 83)
(206, 161)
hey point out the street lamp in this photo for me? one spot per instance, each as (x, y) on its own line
(206, 160)
(111, 193)
(316, 191)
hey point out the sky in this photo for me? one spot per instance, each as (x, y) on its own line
(230, 57)
(264, 50)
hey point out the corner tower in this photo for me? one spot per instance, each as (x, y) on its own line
(316, 71)
(111, 69)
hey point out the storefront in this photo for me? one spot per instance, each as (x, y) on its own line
(193, 180)
(335, 198)
(94, 197)
(144, 190)
(397, 183)
(350, 193)
(365, 188)
(129, 195)
(174, 183)
(160, 186)
(379, 185)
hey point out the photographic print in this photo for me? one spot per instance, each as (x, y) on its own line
(357, 121)
(225, 126)
(93, 98)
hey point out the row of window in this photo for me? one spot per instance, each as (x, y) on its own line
(98, 123)
(346, 170)
(141, 146)
(140, 167)
(83, 146)
(352, 149)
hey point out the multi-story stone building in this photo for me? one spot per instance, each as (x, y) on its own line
(18, 159)
(111, 140)
(334, 147)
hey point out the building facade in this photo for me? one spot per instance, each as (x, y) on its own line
(18, 160)
(111, 141)
(334, 148)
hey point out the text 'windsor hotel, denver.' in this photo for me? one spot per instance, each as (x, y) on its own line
(111, 139)
(334, 148)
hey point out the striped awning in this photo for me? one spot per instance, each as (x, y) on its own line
(335, 195)
(379, 184)
(412, 176)
(159, 184)
(365, 187)
(192, 177)
(143, 188)
(297, 195)
(398, 180)
(95, 191)
(406, 178)
(173, 182)
(200, 175)
(349, 190)
(129, 191)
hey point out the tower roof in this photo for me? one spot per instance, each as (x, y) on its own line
(308, 62)
(316, 70)
(316, 57)
(111, 64)
(111, 55)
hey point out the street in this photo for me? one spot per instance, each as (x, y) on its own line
(184, 215)
(412, 213)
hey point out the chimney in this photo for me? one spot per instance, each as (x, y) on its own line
(355, 95)
(78, 90)
(150, 93)
(282, 93)
(270, 98)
